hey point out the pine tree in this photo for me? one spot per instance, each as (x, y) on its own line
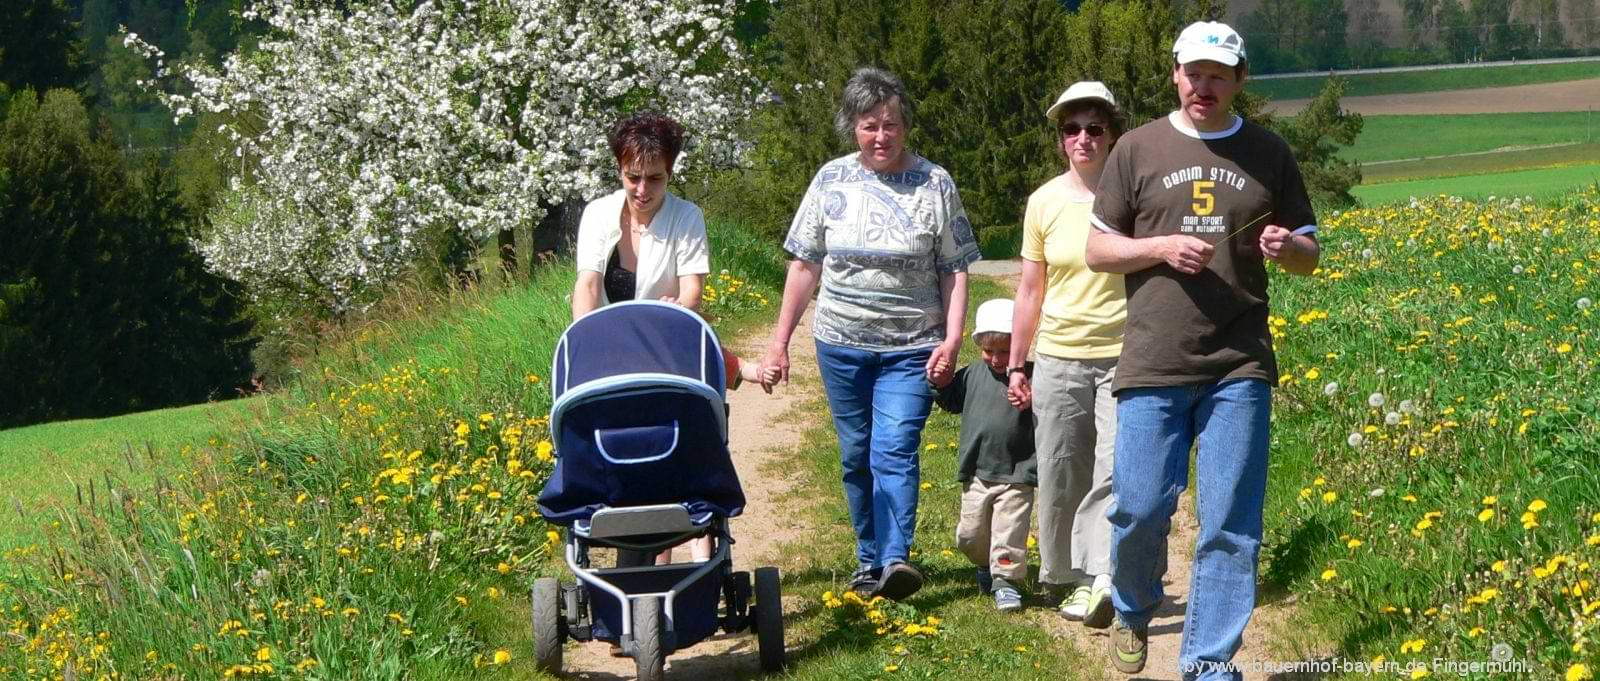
(104, 308)
(39, 46)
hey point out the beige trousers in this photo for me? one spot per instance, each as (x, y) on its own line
(1075, 426)
(993, 530)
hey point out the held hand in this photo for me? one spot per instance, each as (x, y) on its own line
(669, 299)
(1020, 393)
(1187, 254)
(1275, 241)
(940, 363)
(775, 365)
(769, 378)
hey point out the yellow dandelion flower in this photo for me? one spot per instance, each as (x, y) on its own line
(1485, 515)
(1420, 672)
(503, 568)
(1498, 566)
(264, 654)
(502, 656)
(1579, 672)
(1329, 574)
(1353, 543)
(1537, 505)
(1564, 348)
(1491, 500)
(1330, 497)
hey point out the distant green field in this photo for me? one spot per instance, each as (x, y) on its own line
(42, 462)
(1386, 138)
(1536, 183)
(1479, 164)
(1429, 81)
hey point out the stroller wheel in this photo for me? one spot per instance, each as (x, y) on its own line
(769, 619)
(648, 654)
(547, 637)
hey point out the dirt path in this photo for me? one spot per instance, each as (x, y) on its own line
(1576, 95)
(1269, 623)
(760, 432)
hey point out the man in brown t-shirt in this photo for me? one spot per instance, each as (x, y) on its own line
(1190, 207)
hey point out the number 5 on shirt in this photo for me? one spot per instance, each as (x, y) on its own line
(1200, 195)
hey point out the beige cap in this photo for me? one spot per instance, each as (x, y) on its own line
(1083, 89)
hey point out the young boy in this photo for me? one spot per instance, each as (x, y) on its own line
(997, 462)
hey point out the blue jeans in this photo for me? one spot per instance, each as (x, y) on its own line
(880, 402)
(1155, 429)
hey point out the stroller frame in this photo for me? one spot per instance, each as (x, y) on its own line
(665, 516)
(650, 611)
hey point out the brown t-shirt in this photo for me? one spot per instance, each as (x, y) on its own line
(1163, 179)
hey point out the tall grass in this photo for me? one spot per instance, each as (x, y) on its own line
(1435, 439)
(382, 528)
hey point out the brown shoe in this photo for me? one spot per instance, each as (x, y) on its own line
(1128, 647)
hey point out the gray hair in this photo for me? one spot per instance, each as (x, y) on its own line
(868, 89)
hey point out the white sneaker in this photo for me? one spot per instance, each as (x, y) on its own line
(1076, 604)
(1099, 612)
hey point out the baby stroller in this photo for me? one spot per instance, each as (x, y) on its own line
(641, 437)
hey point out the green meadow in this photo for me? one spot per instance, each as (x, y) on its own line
(1429, 81)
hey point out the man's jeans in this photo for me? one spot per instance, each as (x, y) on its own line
(880, 402)
(1156, 427)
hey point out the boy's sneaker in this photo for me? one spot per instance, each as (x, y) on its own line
(1007, 599)
(1099, 613)
(985, 580)
(1076, 605)
(899, 581)
(864, 582)
(1128, 647)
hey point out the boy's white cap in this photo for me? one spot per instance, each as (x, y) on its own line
(994, 316)
(1209, 41)
(1083, 89)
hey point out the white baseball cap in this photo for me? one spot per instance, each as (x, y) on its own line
(1209, 41)
(1083, 89)
(994, 316)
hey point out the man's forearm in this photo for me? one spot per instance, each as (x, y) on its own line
(1119, 254)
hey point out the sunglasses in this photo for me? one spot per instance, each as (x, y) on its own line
(1072, 129)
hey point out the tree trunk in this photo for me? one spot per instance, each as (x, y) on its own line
(507, 241)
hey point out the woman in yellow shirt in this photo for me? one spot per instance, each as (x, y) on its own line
(1078, 316)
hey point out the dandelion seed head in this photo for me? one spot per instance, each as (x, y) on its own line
(1376, 492)
(1584, 303)
(1355, 439)
(1375, 400)
(1517, 270)
(1407, 407)
(1392, 418)
(1331, 388)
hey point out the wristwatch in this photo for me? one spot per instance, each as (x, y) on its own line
(1016, 370)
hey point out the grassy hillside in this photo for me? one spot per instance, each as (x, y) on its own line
(1385, 138)
(51, 462)
(1430, 81)
(381, 526)
(1541, 183)
(1482, 164)
(1436, 437)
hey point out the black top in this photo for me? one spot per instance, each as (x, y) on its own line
(619, 283)
(996, 438)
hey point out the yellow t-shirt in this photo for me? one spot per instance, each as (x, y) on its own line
(1084, 311)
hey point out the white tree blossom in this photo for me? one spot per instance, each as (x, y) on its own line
(362, 133)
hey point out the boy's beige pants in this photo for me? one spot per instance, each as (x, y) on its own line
(993, 530)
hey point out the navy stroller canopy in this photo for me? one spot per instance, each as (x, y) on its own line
(639, 415)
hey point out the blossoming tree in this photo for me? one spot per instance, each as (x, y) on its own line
(362, 133)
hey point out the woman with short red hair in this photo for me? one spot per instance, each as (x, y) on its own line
(641, 241)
